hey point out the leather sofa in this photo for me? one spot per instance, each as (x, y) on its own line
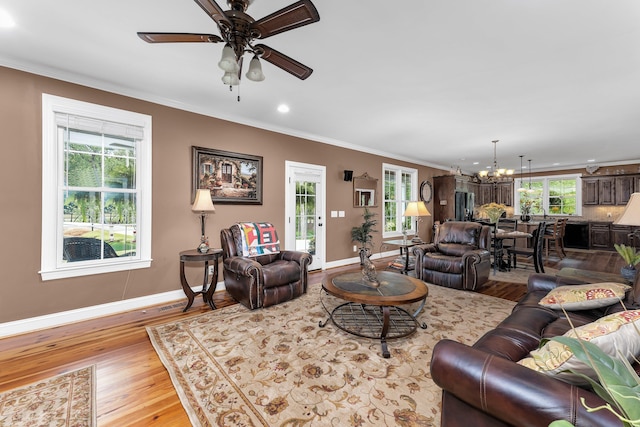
(458, 258)
(484, 386)
(263, 280)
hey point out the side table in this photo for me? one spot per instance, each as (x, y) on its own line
(404, 252)
(207, 288)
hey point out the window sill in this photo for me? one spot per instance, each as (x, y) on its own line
(77, 271)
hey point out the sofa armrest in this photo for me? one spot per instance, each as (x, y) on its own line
(510, 392)
(242, 266)
(541, 282)
(420, 250)
(302, 258)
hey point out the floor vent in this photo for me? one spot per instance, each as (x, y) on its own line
(171, 307)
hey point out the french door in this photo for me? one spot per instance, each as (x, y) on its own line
(305, 201)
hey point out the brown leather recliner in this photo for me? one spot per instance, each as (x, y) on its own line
(263, 280)
(458, 258)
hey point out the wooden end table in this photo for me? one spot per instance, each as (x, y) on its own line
(208, 289)
(374, 312)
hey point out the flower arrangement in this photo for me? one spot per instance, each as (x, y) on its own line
(494, 211)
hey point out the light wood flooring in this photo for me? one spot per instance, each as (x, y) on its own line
(133, 387)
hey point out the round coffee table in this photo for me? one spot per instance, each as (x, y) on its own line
(373, 311)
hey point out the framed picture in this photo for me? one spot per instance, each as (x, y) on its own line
(231, 177)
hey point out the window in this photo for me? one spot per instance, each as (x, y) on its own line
(400, 187)
(551, 195)
(96, 189)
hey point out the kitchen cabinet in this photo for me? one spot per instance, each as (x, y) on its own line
(624, 186)
(620, 234)
(504, 193)
(606, 191)
(600, 235)
(589, 191)
(609, 190)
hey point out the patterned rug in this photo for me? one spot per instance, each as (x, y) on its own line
(65, 400)
(277, 367)
(520, 274)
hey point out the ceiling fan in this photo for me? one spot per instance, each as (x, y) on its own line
(238, 31)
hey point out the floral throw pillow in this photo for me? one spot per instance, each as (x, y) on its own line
(615, 334)
(585, 297)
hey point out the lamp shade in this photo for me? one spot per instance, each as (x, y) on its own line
(255, 70)
(228, 61)
(230, 79)
(203, 202)
(416, 209)
(631, 214)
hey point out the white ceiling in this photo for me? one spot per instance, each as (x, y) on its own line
(431, 81)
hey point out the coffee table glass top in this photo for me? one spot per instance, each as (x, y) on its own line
(354, 282)
(393, 289)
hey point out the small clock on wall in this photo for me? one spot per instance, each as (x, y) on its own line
(426, 191)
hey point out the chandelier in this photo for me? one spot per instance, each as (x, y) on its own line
(495, 174)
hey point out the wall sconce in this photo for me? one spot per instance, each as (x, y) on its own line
(348, 175)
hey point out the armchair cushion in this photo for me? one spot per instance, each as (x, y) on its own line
(265, 278)
(458, 258)
(258, 238)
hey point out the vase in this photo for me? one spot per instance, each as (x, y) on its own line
(525, 217)
(628, 273)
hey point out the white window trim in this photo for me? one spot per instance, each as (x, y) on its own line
(545, 186)
(414, 195)
(52, 177)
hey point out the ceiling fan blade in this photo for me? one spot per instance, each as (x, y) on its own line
(293, 16)
(215, 12)
(179, 38)
(281, 60)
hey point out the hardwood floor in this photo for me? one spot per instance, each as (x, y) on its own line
(133, 387)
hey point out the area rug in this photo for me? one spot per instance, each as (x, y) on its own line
(277, 367)
(520, 274)
(66, 400)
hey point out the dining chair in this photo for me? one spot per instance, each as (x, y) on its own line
(535, 251)
(555, 234)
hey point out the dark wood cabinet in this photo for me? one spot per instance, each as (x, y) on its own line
(609, 190)
(606, 191)
(484, 195)
(624, 186)
(620, 234)
(600, 235)
(589, 191)
(504, 193)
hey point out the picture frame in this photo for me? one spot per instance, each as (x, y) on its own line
(232, 178)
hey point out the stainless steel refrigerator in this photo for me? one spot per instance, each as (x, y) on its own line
(464, 206)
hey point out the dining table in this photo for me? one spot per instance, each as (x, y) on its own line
(498, 247)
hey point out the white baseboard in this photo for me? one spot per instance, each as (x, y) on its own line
(33, 324)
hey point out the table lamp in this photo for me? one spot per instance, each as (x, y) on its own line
(631, 216)
(416, 209)
(203, 204)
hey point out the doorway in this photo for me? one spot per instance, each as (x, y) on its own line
(304, 209)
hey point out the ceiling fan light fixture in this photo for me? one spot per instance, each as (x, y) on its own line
(230, 79)
(255, 70)
(228, 61)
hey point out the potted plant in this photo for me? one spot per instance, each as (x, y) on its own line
(362, 234)
(618, 383)
(631, 258)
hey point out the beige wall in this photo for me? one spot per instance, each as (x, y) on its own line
(175, 228)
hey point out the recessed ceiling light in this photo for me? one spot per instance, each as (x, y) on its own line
(476, 163)
(283, 108)
(591, 160)
(6, 21)
(556, 164)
